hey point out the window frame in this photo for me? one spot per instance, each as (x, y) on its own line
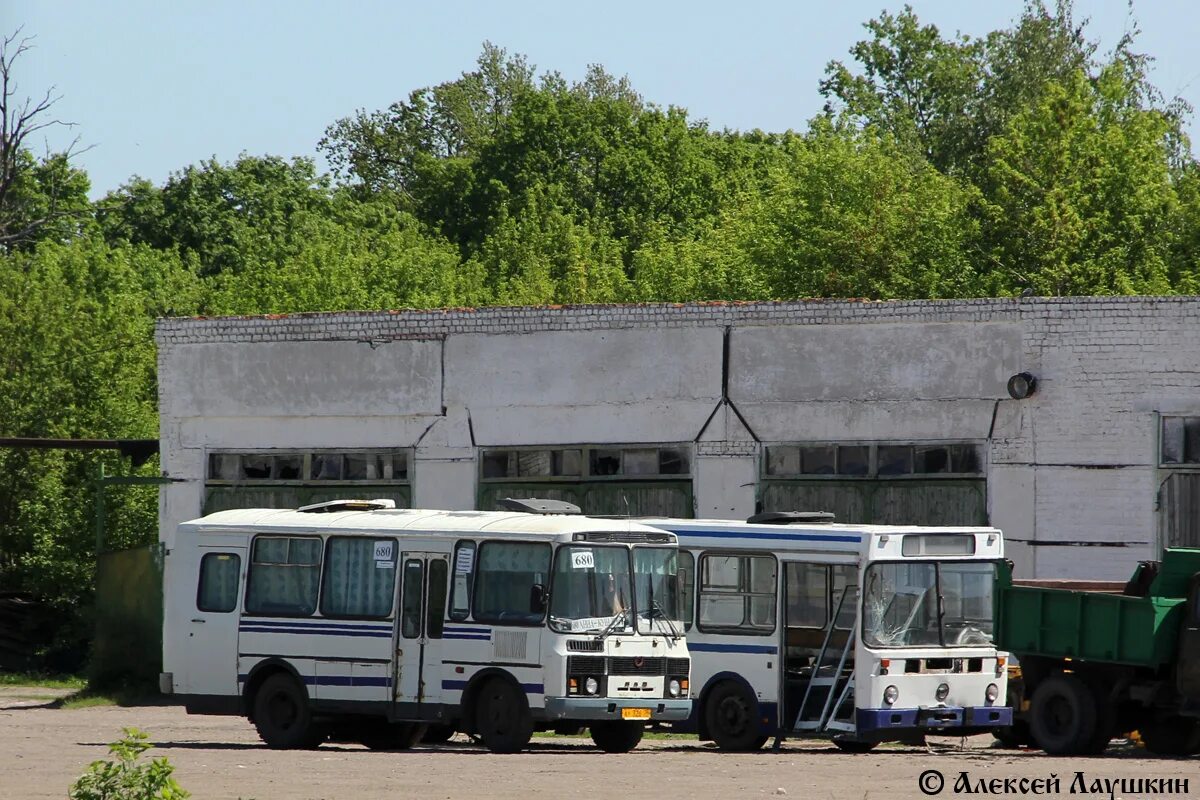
(689, 597)
(250, 575)
(1175, 465)
(200, 583)
(729, 630)
(585, 463)
(480, 544)
(324, 583)
(307, 457)
(872, 473)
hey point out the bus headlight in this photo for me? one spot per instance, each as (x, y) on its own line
(993, 691)
(591, 686)
(890, 694)
(943, 691)
(674, 688)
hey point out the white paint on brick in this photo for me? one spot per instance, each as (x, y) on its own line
(1075, 462)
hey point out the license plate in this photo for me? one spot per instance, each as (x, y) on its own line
(635, 713)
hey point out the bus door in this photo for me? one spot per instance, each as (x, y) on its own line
(1187, 661)
(424, 580)
(211, 586)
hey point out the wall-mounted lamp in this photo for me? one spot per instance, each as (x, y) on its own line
(1021, 385)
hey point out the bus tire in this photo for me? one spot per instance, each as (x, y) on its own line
(854, 745)
(731, 713)
(1171, 736)
(282, 716)
(1063, 716)
(438, 734)
(617, 736)
(502, 718)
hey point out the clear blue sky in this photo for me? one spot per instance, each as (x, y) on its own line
(157, 85)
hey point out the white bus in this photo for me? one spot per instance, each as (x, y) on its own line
(783, 642)
(357, 621)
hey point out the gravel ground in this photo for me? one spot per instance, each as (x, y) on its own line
(44, 749)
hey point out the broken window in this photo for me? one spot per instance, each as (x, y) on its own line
(323, 466)
(882, 459)
(601, 462)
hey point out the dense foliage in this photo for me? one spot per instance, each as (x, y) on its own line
(1020, 162)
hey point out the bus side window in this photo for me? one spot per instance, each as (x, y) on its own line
(435, 612)
(360, 577)
(285, 572)
(808, 595)
(410, 599)
(844, 575)
(687, 565)
(460, 589)
(507, 572)
(737, 594)
(220, 574)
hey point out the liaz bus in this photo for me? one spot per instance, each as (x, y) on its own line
(356, 621)
(858, 633)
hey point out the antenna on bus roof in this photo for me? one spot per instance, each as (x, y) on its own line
(792, 518)
(535, 505)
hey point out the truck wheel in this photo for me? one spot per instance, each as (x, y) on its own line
(1172, 736)
(732, 716)
(1062, 717)
(502, 717)
(392, 736)
(617, 736)
(282, 716)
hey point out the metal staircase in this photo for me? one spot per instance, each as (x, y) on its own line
(829, 672)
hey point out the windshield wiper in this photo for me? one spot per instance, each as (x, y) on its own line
(654, 606)
(662, 614)
(617, 621)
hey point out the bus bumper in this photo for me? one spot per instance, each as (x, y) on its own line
(883, 719)
(611, 707)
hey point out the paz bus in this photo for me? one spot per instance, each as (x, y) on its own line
(859, 633)
(357, 621)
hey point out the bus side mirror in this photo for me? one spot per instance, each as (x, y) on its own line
(537, 598)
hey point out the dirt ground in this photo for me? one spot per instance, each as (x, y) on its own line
(44, 749)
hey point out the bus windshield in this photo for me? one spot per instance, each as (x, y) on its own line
(657, 590)
(928, 604)
(591, 590)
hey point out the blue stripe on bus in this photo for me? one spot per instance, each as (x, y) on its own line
(531, 688)
(467, 636)
(697, 647)
(315, 631)
(459, 629)
(336, 680)
(317, 622)
(787, 537)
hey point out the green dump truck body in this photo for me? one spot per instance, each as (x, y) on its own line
(1095, 626)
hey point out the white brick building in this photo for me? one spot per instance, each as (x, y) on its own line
(881, 411)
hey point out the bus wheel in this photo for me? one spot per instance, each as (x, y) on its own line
(282, 716)
(617, 736)
(732, 716)
(1063, 716)
(854, 745)
(392, 736)
(502, 717)
(438, 734)
(1171, 736)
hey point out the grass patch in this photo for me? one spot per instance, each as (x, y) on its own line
(121, 695)
(42, 681)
